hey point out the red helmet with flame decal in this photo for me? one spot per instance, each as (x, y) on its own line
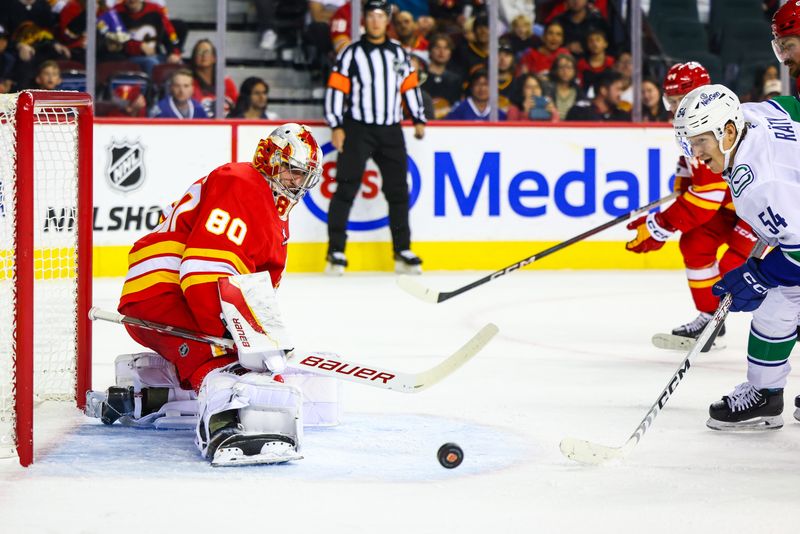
(290, 159)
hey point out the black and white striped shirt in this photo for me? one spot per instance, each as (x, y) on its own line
(367, 85)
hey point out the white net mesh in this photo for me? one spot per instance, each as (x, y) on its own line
(55, 154)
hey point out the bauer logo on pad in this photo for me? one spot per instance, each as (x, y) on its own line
(125, 168)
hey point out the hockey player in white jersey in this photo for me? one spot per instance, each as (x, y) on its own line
(757, 148)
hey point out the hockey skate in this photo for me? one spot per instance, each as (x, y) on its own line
(336, 263)
(683, 337)
(406, 262)
(229, 447)
(747, 408)
(797, 407)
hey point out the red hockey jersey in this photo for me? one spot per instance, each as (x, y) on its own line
(225, 224)
(703, 193)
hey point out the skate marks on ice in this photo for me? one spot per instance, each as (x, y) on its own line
(365, 447)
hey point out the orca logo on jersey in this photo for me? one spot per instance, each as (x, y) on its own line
(125, 167)
(741, 177)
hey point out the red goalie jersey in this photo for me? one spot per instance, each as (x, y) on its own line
(225, 224)
(703, 193)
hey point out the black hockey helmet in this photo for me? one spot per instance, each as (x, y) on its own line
(378, 5)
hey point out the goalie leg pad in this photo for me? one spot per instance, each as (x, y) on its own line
(248, 418)
(322, 397)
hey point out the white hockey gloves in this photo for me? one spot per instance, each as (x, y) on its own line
(251, 313)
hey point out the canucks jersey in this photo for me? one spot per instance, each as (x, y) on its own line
(225, 224)
(764, 179)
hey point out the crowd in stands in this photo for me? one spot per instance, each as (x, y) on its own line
(557, 59)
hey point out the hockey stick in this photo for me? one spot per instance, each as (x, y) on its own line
(329, 364)
(410, 284)
(587, 452)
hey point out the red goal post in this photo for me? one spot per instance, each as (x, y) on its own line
(45, 257)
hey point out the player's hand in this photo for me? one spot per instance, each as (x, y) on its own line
(174, 59)
(337, 139)
(747, 285)
(419, 130)
(681, 184)
(651, 233)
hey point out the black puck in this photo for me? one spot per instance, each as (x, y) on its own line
(450, 455)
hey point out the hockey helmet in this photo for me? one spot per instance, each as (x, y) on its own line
(378, 5)
(708, 109)
(681, 78)
(290, 150)
(785, 23)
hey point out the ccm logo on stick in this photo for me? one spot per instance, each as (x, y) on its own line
(345, 369)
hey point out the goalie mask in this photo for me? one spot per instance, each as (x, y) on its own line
(289, 158)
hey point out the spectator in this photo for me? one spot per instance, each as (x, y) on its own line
(577, 21)
(449, 15)
(521, 35)
(128, 101)
(772, 88)
(476, 106)
(72, 28)
(605, 104)
(763, 75)
(596, 60)
(265, 14)
(506, 85)
(509, 10)
(179, 104)
(340, 27)
(204, 65)
(539, 60)
(7, 62)
(407, 32)
(417, 8)
(529, 102)
(48, 76)
(113, 36)
(565, 89)
(443, 84)
(253, 101)
(653, 109)
(474, 52)
(624, 65)
(30, 23)
(155, 39)
(319, 32)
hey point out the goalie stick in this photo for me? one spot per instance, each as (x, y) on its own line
(329, 364)
(587, 452)
(410, 285)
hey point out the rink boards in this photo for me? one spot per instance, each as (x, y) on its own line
(482, 196)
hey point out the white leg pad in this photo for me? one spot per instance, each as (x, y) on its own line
(264, 406)
(322, 397)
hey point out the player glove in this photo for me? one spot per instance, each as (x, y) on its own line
(651, 233)
(747, 284)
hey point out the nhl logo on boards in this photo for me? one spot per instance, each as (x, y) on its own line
(125, 168)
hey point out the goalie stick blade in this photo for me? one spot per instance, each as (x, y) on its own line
(408, 284)
(469, 350)
(589, 453)
(673, 342)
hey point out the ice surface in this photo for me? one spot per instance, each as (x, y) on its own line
(573, 358)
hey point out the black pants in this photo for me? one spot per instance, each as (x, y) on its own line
(387, 147)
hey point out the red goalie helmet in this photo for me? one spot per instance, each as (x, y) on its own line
(290, 159)
(682, 78)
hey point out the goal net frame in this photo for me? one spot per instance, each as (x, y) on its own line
(31, 106)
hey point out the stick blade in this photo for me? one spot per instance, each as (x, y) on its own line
(589, 453)
(464, 354)
(409, 284)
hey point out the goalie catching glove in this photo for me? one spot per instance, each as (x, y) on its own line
(251, 314)
(652, 230)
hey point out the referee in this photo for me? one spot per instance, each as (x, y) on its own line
(362, 107)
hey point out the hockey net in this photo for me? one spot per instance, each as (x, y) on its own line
(45, 258)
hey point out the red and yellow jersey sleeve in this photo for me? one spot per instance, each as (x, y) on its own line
(703, 193)
(224, 225)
